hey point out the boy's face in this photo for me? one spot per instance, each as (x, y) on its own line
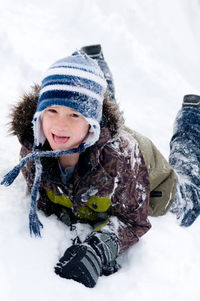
(63, 127)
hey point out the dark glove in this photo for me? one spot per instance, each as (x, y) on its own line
(81, 264)
(87, 261)
(106, 246)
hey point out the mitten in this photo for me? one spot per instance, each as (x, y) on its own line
(87, 261)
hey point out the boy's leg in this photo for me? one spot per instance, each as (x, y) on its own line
(95, 52)
(185, 159)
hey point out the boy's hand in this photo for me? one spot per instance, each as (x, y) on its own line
(80, 263)
(86, 261)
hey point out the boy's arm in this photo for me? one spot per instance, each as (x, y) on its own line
(131, 202)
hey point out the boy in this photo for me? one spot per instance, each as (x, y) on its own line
(85, 166)
(91, 169)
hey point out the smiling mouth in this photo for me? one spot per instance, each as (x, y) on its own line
(60, 139)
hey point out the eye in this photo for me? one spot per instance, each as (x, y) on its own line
(75, 115)
(51, 110)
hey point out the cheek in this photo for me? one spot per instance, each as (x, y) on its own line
(85, 129)
(82, 130)
(45, 126)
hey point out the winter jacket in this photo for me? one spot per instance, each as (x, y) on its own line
(163, 179)
(110, 186)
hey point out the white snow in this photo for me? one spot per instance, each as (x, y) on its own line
(152, 48)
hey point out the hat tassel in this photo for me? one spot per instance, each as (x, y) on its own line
(9, 178)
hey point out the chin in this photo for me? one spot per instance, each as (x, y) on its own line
(63, 147)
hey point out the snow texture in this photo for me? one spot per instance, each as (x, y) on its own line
(152, 48)
(184, 157)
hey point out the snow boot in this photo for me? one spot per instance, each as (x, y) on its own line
(191, 100)
(95, 52)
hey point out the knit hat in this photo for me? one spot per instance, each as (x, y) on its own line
(76, 82)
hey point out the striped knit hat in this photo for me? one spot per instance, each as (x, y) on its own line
(76, 82)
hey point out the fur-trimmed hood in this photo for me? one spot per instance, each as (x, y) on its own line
(22, 116)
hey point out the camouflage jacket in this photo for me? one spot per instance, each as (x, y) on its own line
(110, 185)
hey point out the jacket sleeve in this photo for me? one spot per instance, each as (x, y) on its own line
(163, 179)
(130, 200)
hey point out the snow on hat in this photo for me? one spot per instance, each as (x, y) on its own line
(76, 82)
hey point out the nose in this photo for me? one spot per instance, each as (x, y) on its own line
(61, 124)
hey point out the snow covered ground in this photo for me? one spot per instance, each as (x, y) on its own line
(152, 48)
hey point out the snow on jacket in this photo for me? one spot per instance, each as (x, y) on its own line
(110, 186)
(163, 179)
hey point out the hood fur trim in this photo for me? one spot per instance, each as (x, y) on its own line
(22, 116)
